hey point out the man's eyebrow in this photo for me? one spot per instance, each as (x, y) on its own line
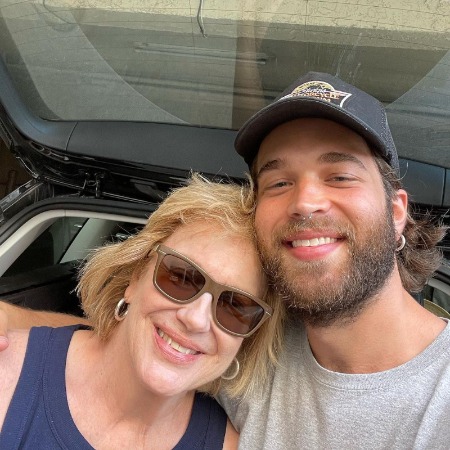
(337, 157)
(273, 164)
(330, 157)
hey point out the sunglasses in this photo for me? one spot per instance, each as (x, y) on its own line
(182, 281)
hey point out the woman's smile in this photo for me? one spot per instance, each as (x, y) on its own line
(175, 345)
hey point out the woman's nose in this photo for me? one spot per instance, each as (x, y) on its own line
(197, 315)
(308, 197)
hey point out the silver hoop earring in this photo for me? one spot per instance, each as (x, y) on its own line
(121, 310)
(233, 374)
(402, 244)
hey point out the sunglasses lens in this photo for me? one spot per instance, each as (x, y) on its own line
(238, 313)
(179, 279)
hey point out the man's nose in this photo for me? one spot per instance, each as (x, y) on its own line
(308, 197)
(197, 315)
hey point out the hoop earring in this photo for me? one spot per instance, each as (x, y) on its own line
(402, 244)
(121, 310)
(232, 375)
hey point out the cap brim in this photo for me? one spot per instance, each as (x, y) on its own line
(253, 132)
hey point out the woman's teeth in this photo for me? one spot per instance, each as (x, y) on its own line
(176, 345)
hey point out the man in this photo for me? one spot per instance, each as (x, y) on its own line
(364, 365)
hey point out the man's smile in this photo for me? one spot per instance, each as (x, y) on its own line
(314, 242)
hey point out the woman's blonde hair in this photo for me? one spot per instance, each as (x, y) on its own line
(107, 273)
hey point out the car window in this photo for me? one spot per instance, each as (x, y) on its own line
(69, 239)
(215, 64)
(41, 258)
(437, 293)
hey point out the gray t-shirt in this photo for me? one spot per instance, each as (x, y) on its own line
(307, 406)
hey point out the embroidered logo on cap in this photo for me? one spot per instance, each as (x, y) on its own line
(320, 90)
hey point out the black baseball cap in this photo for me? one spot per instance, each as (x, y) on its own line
(323, 96)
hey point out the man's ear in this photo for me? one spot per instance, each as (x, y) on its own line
(400, 211)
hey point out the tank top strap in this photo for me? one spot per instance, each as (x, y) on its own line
(29, 385)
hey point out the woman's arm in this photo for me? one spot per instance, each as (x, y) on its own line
(12, 316)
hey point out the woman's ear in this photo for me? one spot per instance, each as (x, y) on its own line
(139, 272)
(129, 291)
(128, 294)
(400, 211)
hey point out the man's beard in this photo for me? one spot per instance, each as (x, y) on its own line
(321, 293)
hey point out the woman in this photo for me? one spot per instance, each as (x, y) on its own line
(173, 309)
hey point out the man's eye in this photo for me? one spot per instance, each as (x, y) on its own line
(277, 184)
(342, 178)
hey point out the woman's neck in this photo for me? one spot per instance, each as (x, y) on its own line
(107, 399)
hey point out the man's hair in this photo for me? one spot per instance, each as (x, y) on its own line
(107, 273)
(420, 257)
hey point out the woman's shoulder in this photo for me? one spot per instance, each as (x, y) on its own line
(11, 362)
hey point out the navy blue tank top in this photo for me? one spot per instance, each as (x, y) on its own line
(39, 417)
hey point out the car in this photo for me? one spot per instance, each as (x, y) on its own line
(107, 107)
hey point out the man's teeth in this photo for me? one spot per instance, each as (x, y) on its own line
(313, 242)
(176, 345)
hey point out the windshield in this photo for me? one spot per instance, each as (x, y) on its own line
(214, 63)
